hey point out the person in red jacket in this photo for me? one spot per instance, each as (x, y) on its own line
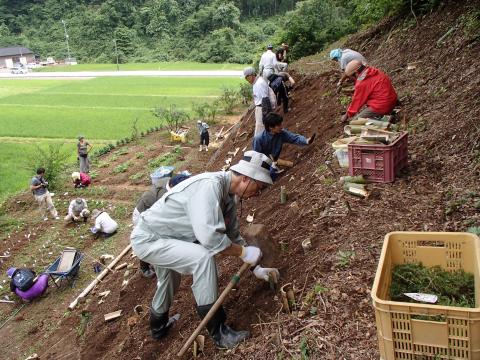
(81, 179)
(372, 88)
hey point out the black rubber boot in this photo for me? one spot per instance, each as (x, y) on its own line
(223, 336)
(159, 325)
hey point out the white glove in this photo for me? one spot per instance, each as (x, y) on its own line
(251, 254)
(262, 273)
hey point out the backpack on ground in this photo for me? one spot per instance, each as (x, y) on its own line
(22, 279)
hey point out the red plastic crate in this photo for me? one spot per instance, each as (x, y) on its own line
(378, 163)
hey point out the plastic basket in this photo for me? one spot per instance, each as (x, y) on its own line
(400, 334)
(378, 163)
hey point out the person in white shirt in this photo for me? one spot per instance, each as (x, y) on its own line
(77, 210)
(263, 97)
(104, 224)
(268, 63)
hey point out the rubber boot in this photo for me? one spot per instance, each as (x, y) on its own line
(223, 336)
(147, 272)
(206, 148)
(159, 325)
(200, 148)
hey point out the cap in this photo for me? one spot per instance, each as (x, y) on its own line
(76, 175)
(270, 46)
(95, 213)
(10, 271)
(255, 165)
(336, 54)
(249, 71)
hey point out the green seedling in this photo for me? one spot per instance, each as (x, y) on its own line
(121, 151)
(150, 148)
(304, 349)
(140, 155)
(344, 100)
(137, 176)
(474, 230)
(121, 168)
(344, 258)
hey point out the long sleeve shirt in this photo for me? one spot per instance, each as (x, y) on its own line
(74, 209)
(260, 90)
(349, 55)
(268, 60)
(202, 127)
(374, 89)
(105, 223)
(271, 144)
(199, 208)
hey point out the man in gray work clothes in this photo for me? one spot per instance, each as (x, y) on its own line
(184, 230)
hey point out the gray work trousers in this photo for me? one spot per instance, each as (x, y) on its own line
(84, 164)
(171, 258)
(367, 112)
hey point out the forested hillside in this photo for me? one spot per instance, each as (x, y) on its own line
(199, 30)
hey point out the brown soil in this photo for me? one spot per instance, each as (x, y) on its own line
(438, 192)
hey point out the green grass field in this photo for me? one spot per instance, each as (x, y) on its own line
(101, 109)
(145, 66)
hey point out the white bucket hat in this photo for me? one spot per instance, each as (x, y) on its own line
(85, 213)
(255, 165)
(76, 175)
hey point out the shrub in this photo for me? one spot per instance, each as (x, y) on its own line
(173, 117)
(53, 159)
(228, 99)
(245, 93)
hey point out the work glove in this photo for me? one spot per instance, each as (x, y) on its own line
(311, 138)
(344, 118)
(45, 183)
(94, 230)
(263, 273)
(251, 254)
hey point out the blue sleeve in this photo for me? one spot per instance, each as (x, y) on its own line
(257, 144)
(292, 138)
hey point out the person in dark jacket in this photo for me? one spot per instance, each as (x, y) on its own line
(271, 140)
(280, 88)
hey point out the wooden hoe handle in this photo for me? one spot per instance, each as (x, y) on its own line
(234, 281)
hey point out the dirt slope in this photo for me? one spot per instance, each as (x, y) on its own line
(335, 320)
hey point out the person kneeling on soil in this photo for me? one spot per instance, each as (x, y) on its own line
(77, 210)
(146, 201)
(183, 231)
(271, 140)
(372, 88)
(25, 284)
(81, 180)
(104, 225)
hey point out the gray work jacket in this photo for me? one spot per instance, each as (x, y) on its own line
(199, 208)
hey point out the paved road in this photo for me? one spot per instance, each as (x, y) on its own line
(92, 74)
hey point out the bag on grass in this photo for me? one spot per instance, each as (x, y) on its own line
(22, 279)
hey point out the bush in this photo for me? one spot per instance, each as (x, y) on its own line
(173, 117)
(53, 159)
(228, 99)
(245, 93)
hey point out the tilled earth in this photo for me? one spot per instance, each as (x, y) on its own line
(334, 318)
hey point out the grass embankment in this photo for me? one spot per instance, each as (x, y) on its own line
(102, 109)
(146, 66)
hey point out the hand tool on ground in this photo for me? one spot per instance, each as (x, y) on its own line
(257, 235)
(235, 279)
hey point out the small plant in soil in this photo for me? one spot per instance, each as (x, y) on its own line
(140, 155)
(137, 176)
(344, 258)
(103, 164)
(122, 151)
(474, 230)
(344, 100)
(150, 148)
(121, 168)
(453, 288)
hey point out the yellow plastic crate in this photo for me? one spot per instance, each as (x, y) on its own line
(400, 335)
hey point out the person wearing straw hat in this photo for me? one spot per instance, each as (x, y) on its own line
(183, 231)
(104, 224)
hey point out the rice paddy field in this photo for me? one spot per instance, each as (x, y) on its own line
(181, 65)
(41, 111)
